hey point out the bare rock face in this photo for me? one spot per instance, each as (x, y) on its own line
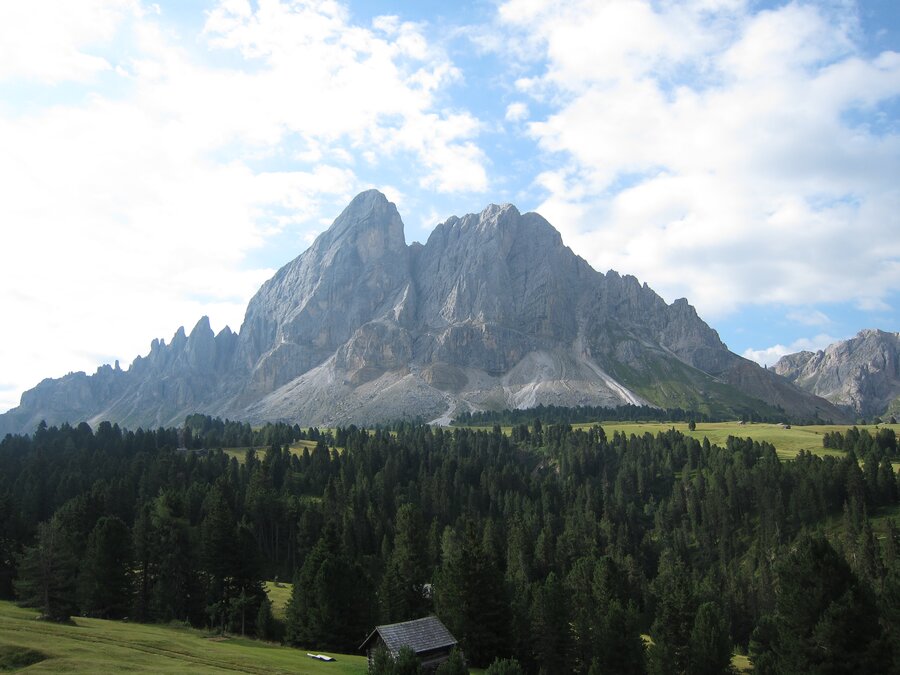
(862, 373)
(493, 311)
(352, 274)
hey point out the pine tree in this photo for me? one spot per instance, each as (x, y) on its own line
(454, 665)
(470, 598)
(176, 593)
(47, 574)
(265, 621)
(710, 645)
(825, 620)
(671, 630)
(105, 578)
(146, 566)
(403, 594)
(604, 621)
(407, 663)
(328, 607)
(550, 626)
(504, 667)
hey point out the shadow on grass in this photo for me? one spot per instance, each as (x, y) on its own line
(15, 658)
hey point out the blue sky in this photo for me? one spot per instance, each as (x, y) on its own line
(162, 159)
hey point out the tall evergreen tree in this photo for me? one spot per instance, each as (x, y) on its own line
(671, 630)
(550, 626)
(710, 645)
(403, 595)
(105, 579)
(825, 620)
(469, 598)
(47, 574)
(218, 555)
(328, 608)
(176, 593)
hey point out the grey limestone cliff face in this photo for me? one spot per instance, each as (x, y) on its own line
(154, 391)
(493, 311)
(495, 286)
(862, 373)
(352, 274)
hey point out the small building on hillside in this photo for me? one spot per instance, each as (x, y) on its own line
(428, 638)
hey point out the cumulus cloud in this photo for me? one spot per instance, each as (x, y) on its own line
(368, 88)
(768, 356)
(516, 112)
(54, 42)
(137, 204)
(720, 153)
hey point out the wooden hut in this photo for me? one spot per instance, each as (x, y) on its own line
(428, 638)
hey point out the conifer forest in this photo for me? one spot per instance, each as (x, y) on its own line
(565, 550)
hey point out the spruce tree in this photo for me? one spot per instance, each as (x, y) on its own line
(454, 665)
(470, 598)
(329, 607)
(825, 619)
(710, 644)
(671, 629)
(402, 593)
(105, 579)
(47, 574)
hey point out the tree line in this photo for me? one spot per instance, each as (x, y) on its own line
(860, 441)
(553, 547)
(551, 414)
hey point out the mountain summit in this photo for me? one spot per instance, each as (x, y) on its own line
(861, 374)
(493, 311)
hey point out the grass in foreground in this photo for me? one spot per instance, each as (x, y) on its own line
(97, 646)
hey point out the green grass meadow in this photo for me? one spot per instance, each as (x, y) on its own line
(278, 596)
(788, 442)
(297, 447)
(97, 646)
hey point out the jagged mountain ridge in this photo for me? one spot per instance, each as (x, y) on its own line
(861, 374)
(493, 311)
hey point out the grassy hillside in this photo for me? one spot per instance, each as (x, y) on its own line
(788, 442)
(297, 448)
(97, 646)
(278, 596)
(670, 383)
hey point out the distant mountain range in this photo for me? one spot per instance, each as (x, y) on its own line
(492, 312)
(861, 374)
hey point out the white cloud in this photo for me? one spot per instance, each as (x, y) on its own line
(131, 211)
(770, 355)
(809, 316)
(709, 150)
(365, 90)
(516, 112)
(53, 41)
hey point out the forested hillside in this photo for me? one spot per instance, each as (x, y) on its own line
(559, 548)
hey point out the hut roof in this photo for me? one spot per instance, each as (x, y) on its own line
(421, 635)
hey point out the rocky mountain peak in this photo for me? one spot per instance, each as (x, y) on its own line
(498, 215)
(179, 339)
(355, 272)
(492, 311)
(371, 223)
(201, 328)
(862, 373)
